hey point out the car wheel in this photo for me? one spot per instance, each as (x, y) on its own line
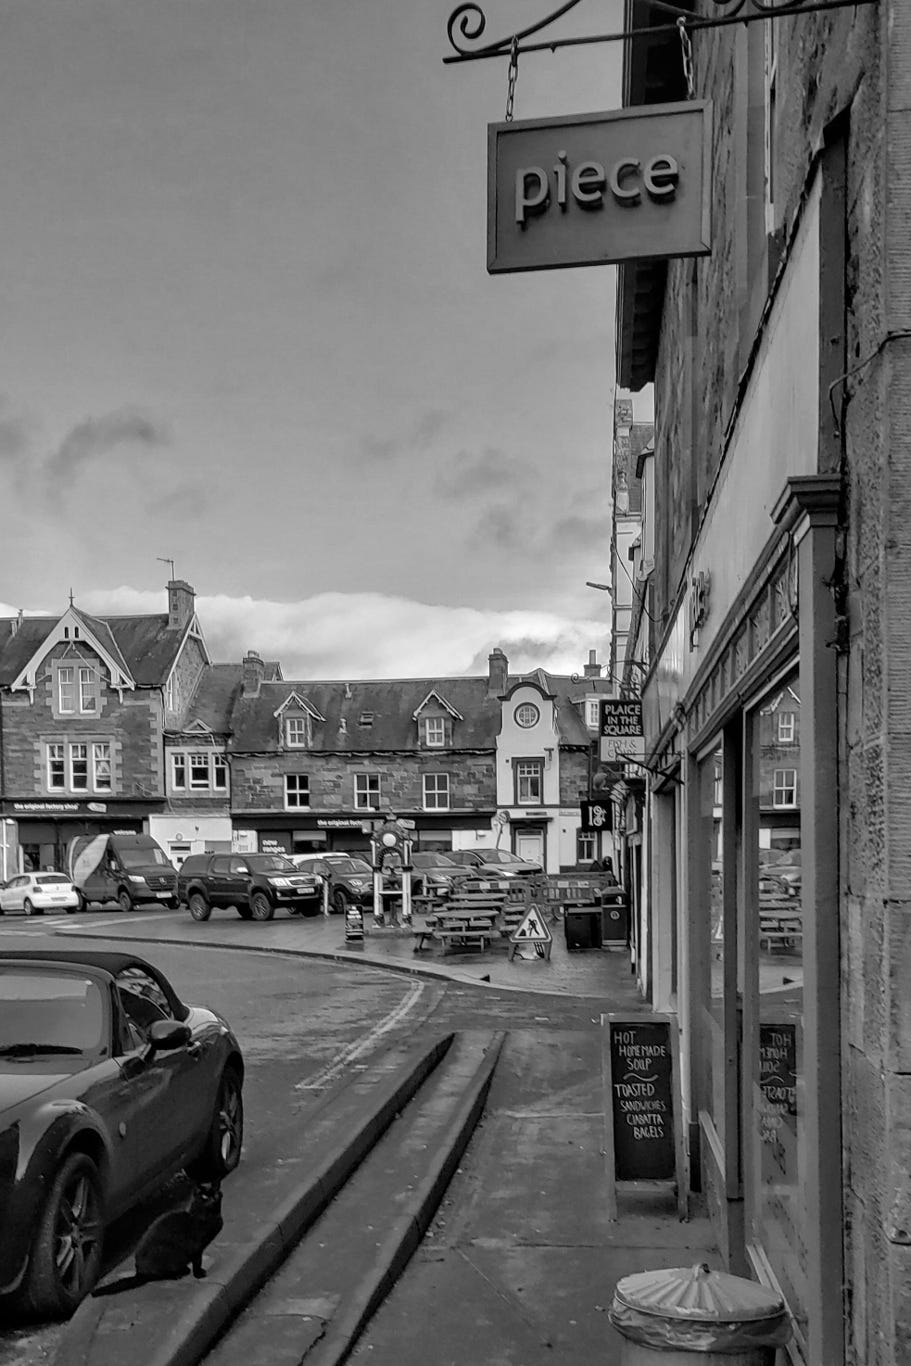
(83, 905)
(66, 1254)
(29, 908)
(244, 912)
(261, 907)
(340, 901)
(124, 901)
(199, 907)
(225, 1138)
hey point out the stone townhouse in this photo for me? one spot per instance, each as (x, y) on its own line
(471, 761)
(84, 705)
(778, 692)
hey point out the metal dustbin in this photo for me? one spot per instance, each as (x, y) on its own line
(614, 916)
(691, 1316)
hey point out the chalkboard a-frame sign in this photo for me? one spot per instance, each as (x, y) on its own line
(642, 1104)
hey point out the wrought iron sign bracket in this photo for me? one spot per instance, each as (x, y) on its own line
(467, 22)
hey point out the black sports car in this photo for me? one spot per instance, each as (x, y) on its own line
(109, 1085)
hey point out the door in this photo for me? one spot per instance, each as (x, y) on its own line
(530, 845)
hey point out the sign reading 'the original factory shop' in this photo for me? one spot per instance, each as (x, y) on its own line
(593, 189)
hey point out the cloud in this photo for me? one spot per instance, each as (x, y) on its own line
(370, 635)
(417, 438)
(98, 436)
(475, 474)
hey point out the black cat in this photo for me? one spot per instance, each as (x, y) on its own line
(173, 1243)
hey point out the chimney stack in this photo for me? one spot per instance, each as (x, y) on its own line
(498, 673)
(181, 604)
(254, 672)
(593, 668)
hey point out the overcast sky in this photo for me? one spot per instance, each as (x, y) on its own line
(247, 327)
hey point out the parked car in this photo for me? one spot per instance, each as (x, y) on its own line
(435, 874)
(256, 885)
(496, 862)
(35, 893)
(109, 1086)
(126, 868)
(350, 878)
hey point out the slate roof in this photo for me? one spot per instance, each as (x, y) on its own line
(392, 703)
(18, 646)
(214, 698)
(142, 645)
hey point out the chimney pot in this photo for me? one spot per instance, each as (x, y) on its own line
(254, 672)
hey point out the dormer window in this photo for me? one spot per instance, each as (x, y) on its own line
(592, 712)
(297, 732)
(435, 732)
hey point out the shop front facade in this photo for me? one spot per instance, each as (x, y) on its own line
(775, 880)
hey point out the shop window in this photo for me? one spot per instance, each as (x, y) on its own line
(436, 791)
(529, 777)
(777, 1160)
(712, 862)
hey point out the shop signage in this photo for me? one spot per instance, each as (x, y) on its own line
(778, 1083)
(339, 823)
(596, 816)
(595, 189)
(621, 731)
(643, 1111)
(58, 808)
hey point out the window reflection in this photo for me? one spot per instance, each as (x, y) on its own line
(711, 793)
(779, 1136)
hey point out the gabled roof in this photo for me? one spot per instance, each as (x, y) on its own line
(443, 703)
(140, 649)
(295, 699)
(79, 632)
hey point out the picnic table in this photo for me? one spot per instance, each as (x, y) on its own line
(780, 924)
(469, 918)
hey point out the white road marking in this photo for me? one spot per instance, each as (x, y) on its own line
(369, 1041)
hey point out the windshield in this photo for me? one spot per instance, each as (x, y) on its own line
(49, 1012)
(271, 863)
(433, 861)
(350, 865)
(141, 858)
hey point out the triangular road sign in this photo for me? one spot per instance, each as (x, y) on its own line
(531, 929)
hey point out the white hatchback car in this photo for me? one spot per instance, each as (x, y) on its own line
(35, 893)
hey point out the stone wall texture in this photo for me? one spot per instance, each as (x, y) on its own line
(853, 63)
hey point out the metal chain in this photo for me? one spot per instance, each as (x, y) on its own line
(687, 47)
(512, 78)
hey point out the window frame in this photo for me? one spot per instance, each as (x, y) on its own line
(535, 771)
(299, 722)
(445, 792)
(297, 778)
(369, 780)
(778, 788)
(99, 759)
(435, 726)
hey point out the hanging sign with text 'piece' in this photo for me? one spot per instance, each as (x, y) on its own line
(596, 189)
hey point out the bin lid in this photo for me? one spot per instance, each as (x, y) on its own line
(698, 1293)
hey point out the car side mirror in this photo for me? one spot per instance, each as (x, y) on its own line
(166, 1035)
